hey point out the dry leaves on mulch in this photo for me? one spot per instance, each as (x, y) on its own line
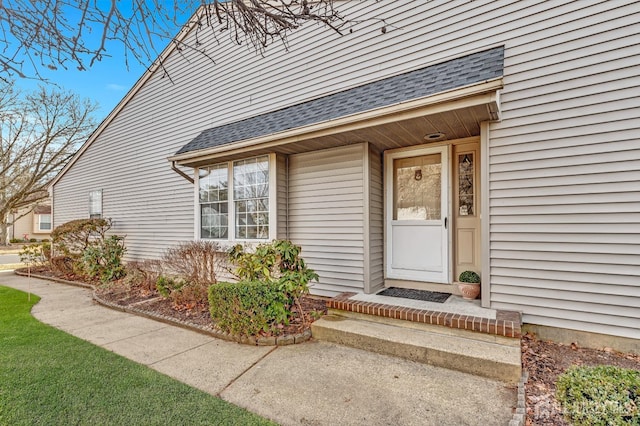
(545, 361)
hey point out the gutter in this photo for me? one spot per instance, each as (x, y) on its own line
(181, 173)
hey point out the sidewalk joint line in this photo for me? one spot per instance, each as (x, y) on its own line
(245, 371)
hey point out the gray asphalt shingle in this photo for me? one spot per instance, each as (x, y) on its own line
(459, 72)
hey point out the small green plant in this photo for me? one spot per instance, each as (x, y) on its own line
(16, 240)
(469, 277)
(601, 395)
(248, 307)
(103, 260)
(33, 240)
(166, 285)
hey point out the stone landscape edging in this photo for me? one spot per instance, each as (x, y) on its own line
(24, 273)
(286, 340)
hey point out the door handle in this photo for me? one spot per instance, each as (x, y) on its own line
(445, 223)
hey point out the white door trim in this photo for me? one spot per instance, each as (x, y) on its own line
(389, 156)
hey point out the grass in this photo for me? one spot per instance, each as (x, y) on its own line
(49, 377)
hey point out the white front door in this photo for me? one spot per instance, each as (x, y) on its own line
(417, 188)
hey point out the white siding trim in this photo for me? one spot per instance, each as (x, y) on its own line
(273, 197)
(366, 172)
(485, 247)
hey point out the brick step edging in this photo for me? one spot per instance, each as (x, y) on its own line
(501, 327)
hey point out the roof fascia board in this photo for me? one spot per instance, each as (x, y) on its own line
(171, 47)
(475, 94)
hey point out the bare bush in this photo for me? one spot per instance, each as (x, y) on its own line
(189, 269)
(199, 262)
(143, 275)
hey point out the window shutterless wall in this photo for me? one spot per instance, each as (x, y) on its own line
(232, 234)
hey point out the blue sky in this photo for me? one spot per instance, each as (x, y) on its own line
(106, 82)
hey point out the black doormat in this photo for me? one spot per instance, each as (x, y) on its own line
(407, 293)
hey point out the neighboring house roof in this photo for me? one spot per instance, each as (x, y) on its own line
(42, 210)
(455, 73)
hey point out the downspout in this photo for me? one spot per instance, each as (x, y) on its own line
(181, 173)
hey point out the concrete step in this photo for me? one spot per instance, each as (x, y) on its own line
(494, 357)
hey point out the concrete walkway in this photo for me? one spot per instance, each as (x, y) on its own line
(313, 383)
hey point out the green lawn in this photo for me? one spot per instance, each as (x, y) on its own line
(48, 377)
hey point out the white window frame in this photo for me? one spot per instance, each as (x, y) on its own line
(231, 220)
(40, 222)
(92, 194)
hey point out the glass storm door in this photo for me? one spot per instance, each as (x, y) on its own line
(417, 206)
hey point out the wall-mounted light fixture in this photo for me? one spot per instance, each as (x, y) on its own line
(434, 136)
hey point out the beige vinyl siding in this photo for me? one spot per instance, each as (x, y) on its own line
(376, 222)
(564, 162)
(565, 176)
(326, 215)
(153, 205)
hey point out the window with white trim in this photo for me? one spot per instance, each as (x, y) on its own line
(247, 202)
(44, 222)
(95, 204)
(214, 205)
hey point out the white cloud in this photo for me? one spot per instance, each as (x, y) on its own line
(116, 87)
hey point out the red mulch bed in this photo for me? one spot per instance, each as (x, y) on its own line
(152, 302)
(545, 361)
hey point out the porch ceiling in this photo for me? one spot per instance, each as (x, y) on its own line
(454, 124)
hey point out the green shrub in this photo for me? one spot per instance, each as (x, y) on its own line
(81, 247)
(72, 238)
(16, 240)
(247, 307)
(279, 263)
(33, 240)
(602, 395)
(103, 259)
(469, 277)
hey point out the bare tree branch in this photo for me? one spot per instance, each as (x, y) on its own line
(39, 132)
(38, 34)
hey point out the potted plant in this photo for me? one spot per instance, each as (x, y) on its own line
(469, 285)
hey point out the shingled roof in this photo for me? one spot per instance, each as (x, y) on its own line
(452, 74)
